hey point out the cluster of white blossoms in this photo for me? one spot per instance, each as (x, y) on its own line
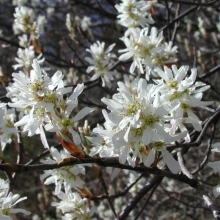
(73, 206)
(147, 49)
(101, 62)
(182, 94)
(24, 19)
(67, 176)
(134, 13)
(144, 117)
(42, 105)
(7, 130)
(25, 58)
(26, 22)
(7, 202)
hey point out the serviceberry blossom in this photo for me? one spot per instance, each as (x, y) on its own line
(134, 13)
(24, 19)
(24, 41)
(73, 206)
(101, 62)
(67, 176)
(7, 129)
(7, 202)
(25, 58)
(40, 99)
(102, 142)
(70, 25)
(138, 120)
(147, 50)
(86, 23)
(41, 21)
(182, 94)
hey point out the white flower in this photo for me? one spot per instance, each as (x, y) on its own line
(73, 206)
(137, 124)
(102, 143)
(147, 50)
(67, 176)
(41, 21)
(7, 129)
(182, 94)
(36, 96)
(64, 122)
(85, 23)
(24, 19)
(134, 13)
(6, 206)
(8, 201)
(26, 57)
(101, 62)
(23, 41)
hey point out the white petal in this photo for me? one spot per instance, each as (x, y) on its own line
(82, 113)
(172, 164)
(43, 138)
(76, 137)
(216, 191)
(150, 158)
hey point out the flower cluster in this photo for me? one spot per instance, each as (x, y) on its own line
(73, 206)
(24, 19)
(7, 129)
(7, 202)
(26, 22)
(40, 99)
(147, 50)
(67, 176)
(182, 94)
(134, 13)
(101, 62)
(25, 58)
(144, 117)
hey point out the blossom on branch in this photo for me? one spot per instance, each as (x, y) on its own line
(67, 176)
(147, 50)
(7, 202)
(73, 206)
(101, 63)
(182, 94)
(7, 128)
(42, 105)
(134, 13)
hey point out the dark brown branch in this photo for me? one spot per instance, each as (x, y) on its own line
(148, 199)
(105, 162)
(210, 72)
(179, 17)
(152, 183)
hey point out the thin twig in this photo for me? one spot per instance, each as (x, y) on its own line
(179, 17)
(200, 167)
(101, 197)
(107, 194)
